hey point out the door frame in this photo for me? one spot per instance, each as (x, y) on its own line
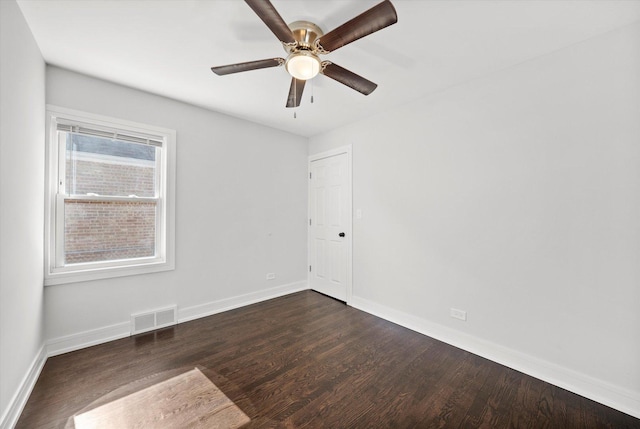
(349, 239)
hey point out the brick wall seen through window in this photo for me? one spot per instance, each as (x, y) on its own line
(109, 230)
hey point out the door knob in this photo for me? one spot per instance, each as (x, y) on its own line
(341, 234)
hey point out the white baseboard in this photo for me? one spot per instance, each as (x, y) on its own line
(19, 400)
(600, 391)
(69, 343)
(214, 307)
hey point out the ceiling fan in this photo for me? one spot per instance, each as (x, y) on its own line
(304, 42)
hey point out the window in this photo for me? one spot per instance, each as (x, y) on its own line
(110, 205)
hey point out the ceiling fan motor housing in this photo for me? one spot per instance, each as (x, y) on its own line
(305, 33)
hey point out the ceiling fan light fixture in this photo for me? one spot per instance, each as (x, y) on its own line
(303, 65)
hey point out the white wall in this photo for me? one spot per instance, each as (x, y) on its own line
(515, 197)
(22, 94)
(241, 213)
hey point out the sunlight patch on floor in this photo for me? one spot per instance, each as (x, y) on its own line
(189, 400)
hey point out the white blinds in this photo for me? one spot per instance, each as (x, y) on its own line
(91, 130)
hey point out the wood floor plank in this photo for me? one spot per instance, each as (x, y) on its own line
(307, 361)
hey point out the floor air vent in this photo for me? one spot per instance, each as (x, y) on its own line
(150, 320)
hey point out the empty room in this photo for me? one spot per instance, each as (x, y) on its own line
(321, 214)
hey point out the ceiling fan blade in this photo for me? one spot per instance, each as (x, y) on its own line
(270, 16)
(348, 78)
(374, 19)
(295, 92)
(250, 65)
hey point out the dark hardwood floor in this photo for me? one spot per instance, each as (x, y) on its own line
(305, 360)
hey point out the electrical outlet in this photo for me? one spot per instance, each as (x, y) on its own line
(458, 314)
(271, 276)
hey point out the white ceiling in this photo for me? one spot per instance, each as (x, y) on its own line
(167, 48)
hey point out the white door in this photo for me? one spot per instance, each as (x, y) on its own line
(330, 224)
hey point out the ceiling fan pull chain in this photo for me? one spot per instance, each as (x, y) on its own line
(294, 115)
(312, 91)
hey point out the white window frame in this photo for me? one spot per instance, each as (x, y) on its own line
(55, 272)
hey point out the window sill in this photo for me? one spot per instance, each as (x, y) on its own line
(52, 279)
